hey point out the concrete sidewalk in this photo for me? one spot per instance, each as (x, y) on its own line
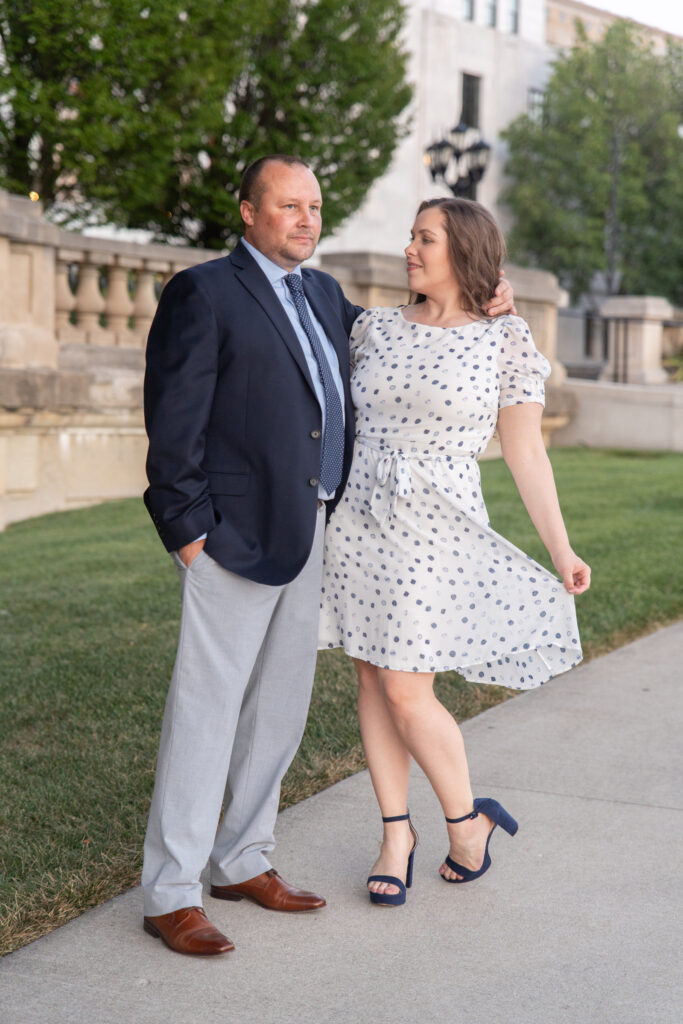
(575, 923)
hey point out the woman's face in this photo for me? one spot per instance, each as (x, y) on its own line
(429, 266)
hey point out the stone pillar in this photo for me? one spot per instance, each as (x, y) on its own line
(369, 278)
(635, 338)
(27, 286)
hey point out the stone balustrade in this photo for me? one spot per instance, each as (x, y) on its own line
(60, 289)
(74, 315)
(108, 297)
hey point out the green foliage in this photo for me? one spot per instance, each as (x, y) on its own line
(324, 80)
(596, 184)
(146, 115)
(88, 624)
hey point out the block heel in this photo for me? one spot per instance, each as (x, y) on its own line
(499, 816)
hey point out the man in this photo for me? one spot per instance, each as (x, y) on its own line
(250, 425)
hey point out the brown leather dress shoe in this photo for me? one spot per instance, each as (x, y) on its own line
(270, 891)
(188, 931)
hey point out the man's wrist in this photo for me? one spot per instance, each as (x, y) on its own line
(188, 552)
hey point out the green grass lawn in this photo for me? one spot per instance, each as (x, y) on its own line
(88, 618)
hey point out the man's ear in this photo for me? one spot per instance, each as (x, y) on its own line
(247, 212)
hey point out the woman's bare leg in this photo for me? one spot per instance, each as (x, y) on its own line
(432, 736)
(389, 764)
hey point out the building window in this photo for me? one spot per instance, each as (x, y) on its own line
(513, 17)
(535, 101)
(491, 13)
(467, 7)
(470, 100)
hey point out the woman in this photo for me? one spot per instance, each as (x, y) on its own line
(415, 579)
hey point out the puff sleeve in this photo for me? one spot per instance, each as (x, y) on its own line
(358, 334)
(522, 368)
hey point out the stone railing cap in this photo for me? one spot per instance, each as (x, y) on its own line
(136, 250)
(637, 307)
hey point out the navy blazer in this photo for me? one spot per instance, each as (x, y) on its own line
(233, 421)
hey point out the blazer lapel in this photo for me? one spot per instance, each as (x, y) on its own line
(254, 280)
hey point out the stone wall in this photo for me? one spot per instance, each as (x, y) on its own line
(639, 416)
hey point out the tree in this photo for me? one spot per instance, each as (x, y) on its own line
(98, 95)
(147, 115)
(324, 79)
(596, 183)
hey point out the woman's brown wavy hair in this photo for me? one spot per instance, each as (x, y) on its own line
(476, 248)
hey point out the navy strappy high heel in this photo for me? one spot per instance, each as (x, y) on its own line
(396, 899)
(499, 816)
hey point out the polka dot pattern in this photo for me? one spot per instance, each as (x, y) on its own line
(415, 579)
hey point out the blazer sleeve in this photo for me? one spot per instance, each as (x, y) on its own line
(350, 313)
(346, 310)
(180, 380)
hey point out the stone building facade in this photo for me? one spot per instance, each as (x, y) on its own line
(486, 59)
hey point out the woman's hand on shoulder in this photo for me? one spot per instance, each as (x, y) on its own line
(576, 575)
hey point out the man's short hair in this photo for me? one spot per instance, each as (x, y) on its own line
(251, 188)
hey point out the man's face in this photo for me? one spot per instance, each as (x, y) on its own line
(285, 226)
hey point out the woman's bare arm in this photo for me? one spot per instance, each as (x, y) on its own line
(519, 430)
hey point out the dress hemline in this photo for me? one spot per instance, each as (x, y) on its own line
(464, 669)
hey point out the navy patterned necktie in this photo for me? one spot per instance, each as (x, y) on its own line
(333, 438)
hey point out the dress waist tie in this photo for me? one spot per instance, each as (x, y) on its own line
(393, 476)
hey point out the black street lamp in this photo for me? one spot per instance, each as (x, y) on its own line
(460, 160)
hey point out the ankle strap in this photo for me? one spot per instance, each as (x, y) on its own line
(455, 821)
(399, 817)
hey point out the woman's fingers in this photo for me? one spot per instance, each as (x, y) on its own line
(577, 578)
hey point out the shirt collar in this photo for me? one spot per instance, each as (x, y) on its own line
(272, 271)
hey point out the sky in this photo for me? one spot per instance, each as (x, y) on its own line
(666, 14)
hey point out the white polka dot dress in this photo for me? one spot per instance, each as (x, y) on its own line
(415, 579)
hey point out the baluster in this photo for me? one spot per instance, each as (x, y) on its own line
(119, 305)
(90, 301)
(65, 300)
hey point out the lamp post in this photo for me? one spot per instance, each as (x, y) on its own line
(460, 160)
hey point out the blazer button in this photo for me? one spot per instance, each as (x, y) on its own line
(315, 434)
(313, 481)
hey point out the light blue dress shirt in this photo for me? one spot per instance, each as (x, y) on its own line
(276, 275)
